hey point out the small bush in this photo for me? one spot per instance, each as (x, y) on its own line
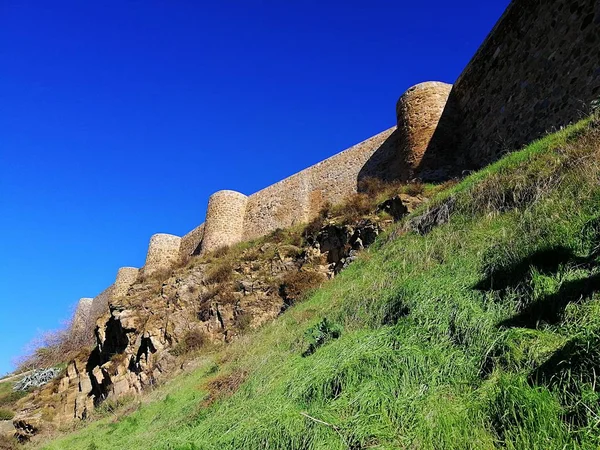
(295, 284)
(224, 386)
(243, 320)
(221, 252)
(112, 405)
(320, 334)
(6, 414)
(356, 207)
(192, 340)
(414, 189)
(220, 273)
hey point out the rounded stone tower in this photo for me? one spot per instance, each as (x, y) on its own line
(126, 276)
(418, 112)
(224, 223)
(81, 318)
(163, 253)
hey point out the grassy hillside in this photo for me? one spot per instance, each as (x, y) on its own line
(482, 333)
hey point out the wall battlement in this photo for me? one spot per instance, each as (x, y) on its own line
(538, 69)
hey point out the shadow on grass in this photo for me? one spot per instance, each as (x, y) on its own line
(550, 308)
(545, 261)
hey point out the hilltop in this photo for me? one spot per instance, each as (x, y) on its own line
(472, 323)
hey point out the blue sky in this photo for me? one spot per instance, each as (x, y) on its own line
(119, 118)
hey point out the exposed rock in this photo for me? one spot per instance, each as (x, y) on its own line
(139, 340)
(36, 378)
(340, 243)
(438, 215)
(394, 207)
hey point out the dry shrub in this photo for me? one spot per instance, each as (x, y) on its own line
(8, 443)
(158, 277)
(220, 252)
(315, 225)
(287, 236)
(414, 189)
(118, 360)
(295, 285)
(250, 254)
(224, 386)
(53, 348)
(356, 207)
(243, 320)
(221, 272)
(371, 186)
(191, 341)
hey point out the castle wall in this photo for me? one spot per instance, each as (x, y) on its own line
(163, 253)
(82, 316)
(298, 198)
(538, 70)
(100, 304)
(418, 112)
(224, 223)
(126, 276)
(190, 243)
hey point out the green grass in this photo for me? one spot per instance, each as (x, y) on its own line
(484, 333)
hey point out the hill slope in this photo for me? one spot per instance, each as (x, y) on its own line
(481, 332)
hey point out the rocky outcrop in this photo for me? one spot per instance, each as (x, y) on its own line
(145, 335)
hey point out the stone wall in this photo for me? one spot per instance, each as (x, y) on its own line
(224, 223)
(100, 304)
(418, 112)
(163, 253)
(82, 317)
(538, 70)
(126, 276)
(232, 217)
(190, 243)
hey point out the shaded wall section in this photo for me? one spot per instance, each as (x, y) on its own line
(538, 70)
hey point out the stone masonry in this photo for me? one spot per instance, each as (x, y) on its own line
(539, 69)
(163, 253)
(224, 223)
(418, 112)
(126, 276)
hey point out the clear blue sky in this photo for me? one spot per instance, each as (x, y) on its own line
(118, 119)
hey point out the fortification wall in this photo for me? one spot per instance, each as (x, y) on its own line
(100, 304)
(418, 113)
(538, 70)
(298, 198)
(190, 243)
(126, 276)
(163, 253)
(82, 317)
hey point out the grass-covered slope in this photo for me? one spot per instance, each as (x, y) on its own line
(483, 333)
